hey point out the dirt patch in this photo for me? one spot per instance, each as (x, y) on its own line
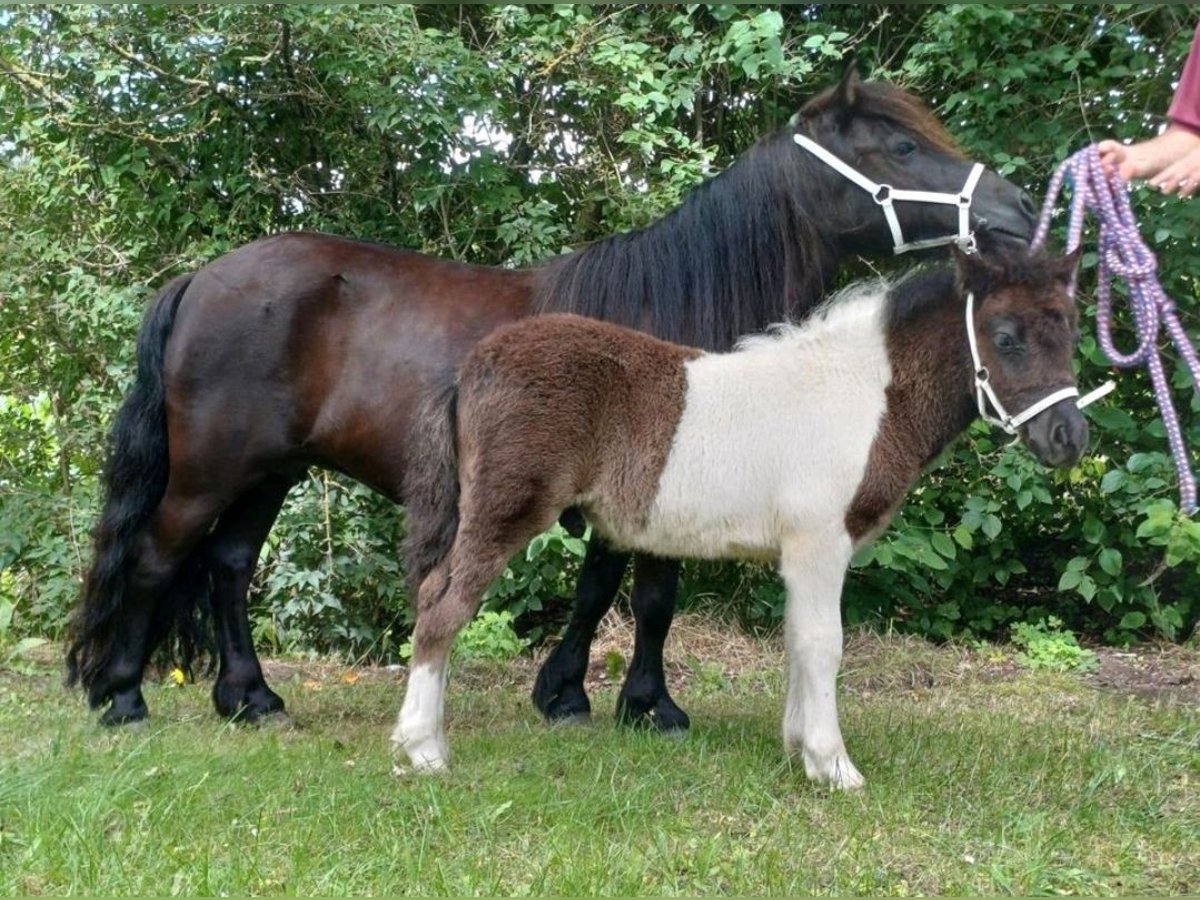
(699, 646)
(874, 664)
(705, 650)
(1153, 672)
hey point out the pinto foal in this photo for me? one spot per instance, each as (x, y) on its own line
(796, 447)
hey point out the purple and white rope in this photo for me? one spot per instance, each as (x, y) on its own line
(1124, 254)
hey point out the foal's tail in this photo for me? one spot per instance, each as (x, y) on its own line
(135, 479)
(432, 489)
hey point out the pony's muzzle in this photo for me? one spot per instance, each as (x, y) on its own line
(1058, 436)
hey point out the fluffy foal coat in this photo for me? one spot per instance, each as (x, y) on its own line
(796, 447)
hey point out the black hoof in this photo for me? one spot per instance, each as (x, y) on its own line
(126, 707)
(247, 703)
(560, 702)
(660, 714)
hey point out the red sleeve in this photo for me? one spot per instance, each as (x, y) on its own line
(1185, 107)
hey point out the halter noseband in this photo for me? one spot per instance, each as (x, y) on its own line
(984, 393)
(885, 195)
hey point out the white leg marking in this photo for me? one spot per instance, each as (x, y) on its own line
(813, 570)
(420, 729)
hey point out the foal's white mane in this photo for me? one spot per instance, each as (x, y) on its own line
(849, 311)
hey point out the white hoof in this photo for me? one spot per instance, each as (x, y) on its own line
(428, 754)
(834, 769)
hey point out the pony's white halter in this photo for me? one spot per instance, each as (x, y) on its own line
(885, 195)
(984, 393)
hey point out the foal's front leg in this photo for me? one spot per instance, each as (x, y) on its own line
(813, 570)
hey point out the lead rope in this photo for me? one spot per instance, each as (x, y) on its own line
(1124, 254)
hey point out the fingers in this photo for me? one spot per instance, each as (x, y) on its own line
(1181, 177)
(1112, 155)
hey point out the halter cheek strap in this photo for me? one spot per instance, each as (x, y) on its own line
(985, 394)
(885, 195)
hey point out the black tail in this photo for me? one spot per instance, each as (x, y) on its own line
(432, 488)
(135, 479)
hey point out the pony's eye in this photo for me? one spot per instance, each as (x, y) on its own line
(905, 148)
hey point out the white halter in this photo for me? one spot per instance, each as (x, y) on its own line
(885, 194)
(984, 393)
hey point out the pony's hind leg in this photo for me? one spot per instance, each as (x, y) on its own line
(558, 691)
(148, 612)
(644, 699)
(231, 555)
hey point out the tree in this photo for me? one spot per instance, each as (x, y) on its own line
(143, 141)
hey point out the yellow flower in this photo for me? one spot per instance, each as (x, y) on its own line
(177, 676)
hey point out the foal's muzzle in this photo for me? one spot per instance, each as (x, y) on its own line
(1057, 436)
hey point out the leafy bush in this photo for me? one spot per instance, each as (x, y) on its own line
(1046, 645)
(140, 142)
(489, 636)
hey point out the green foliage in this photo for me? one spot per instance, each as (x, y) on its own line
(488, 637)
(546, 570)
(614, 665)
(1046, 645)
(139, 142)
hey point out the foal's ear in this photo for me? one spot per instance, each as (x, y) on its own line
(974, 273)
(1065, 267)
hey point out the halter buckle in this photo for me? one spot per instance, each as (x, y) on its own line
(883, 196)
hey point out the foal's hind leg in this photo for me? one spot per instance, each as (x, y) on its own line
(558, 691)
(644, 698)
(231, 553)
(446, 601)
(178, 524)
(499, 512)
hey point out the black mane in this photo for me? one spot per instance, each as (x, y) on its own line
(745, 249)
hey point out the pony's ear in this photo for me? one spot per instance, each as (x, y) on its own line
(839, 101)
(846, 96)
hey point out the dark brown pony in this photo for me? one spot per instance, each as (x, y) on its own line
(305, 349)
(797, 447)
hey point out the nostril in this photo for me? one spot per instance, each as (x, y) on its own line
(1058, 435)
(1027, 204)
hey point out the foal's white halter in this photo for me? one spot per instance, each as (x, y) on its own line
(885, 195)
(985, 394)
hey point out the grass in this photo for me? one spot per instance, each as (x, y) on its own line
(981, 779)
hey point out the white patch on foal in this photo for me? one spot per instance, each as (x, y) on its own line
(420, 729)
(772, 446)
(774, 437)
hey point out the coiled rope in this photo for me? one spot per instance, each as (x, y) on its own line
(1123, 254)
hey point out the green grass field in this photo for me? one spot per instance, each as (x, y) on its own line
(981, 779)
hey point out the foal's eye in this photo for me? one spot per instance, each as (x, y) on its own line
(905, 148)
(1005, 342)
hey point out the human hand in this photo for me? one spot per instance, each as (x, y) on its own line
(1170, 161)
(1115, 157)
(1182, 177)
